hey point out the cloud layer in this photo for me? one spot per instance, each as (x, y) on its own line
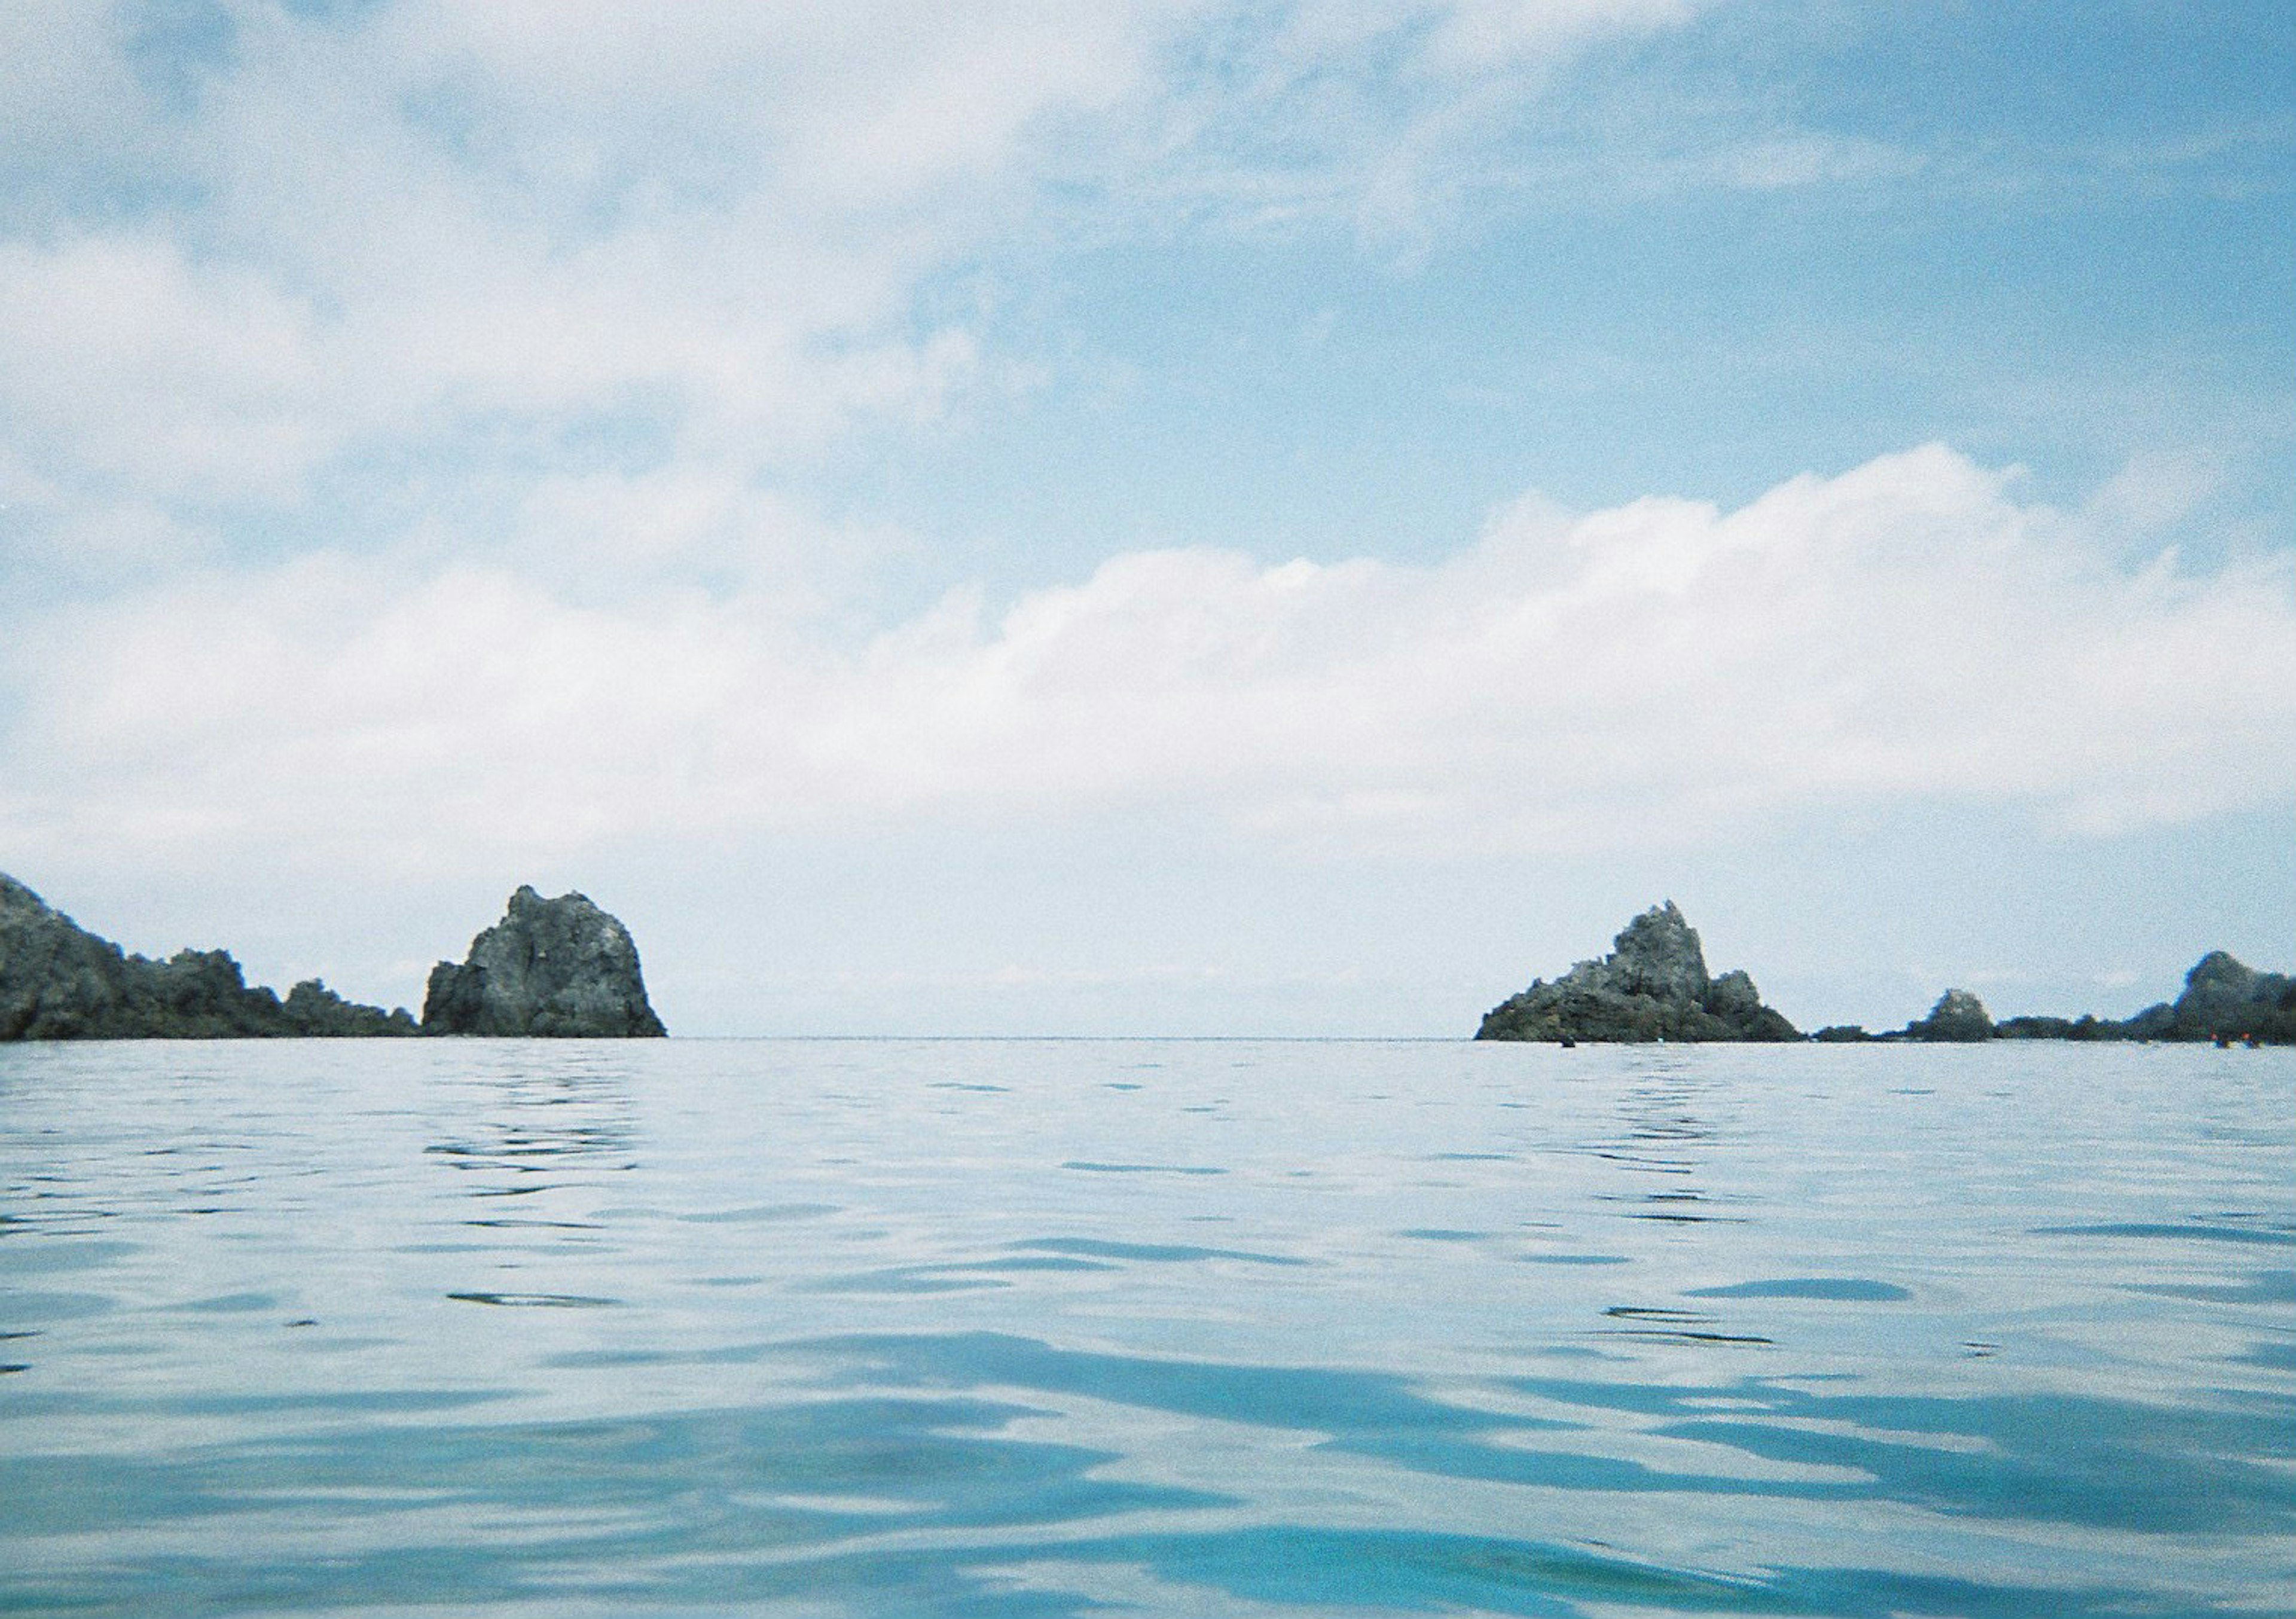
(422, 429)
(250, 254)
(1661, 671)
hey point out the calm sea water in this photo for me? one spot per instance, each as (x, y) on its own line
(862, 1328)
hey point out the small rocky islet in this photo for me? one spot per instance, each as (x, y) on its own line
(551, 967)
(564, 968)
(1653, 985)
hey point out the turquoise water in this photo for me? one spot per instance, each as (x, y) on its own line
(1064, 1328)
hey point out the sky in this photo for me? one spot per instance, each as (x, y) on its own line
(1161, 517)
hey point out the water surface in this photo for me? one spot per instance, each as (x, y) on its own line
(1071, 1328)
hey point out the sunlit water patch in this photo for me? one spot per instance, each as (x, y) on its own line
(1057, 1328)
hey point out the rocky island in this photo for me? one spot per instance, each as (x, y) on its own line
(1652, 985)
(559, 966)
(550, 966)
(2225, 1002)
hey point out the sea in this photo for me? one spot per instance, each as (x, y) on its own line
(1103, 1328)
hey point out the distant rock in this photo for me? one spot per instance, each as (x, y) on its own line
(1652, 985)
(2087, 1027)
(313, 1011)
(1958, 1016)
(58, 981)
(2223, 999)
(550, 966)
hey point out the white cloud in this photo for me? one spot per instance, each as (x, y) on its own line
(388, 228)
(123, 366)
(418, 225)
(1661, 671)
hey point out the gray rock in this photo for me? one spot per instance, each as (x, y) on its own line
(1957, 1016)
(1659, 955)
(550, 966)
(1652, 985)
(58, 981)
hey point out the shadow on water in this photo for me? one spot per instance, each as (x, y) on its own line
(531, 1119)
(1664, 1134)
(1665, 1141)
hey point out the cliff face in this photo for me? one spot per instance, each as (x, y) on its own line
(58, 981)
(1652, 985)
(550, 966)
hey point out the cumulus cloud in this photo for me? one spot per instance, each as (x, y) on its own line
(408, 391)
(1661, 670)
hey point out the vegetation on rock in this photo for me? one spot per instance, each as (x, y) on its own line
(58, 981)
(1958, 1016)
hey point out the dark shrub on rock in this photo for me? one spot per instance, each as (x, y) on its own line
(1957, 1016)
(58, 981)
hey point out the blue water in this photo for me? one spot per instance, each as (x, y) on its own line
(1061, 1327)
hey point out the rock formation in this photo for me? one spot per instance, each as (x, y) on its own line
(550, 966)
(2223, 999)
(1958, 1016)
(1652, 985)
(58, 981)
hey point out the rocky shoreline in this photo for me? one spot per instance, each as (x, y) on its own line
(551, 967)
(1653, 985)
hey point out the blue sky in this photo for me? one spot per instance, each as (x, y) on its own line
(1178, 516)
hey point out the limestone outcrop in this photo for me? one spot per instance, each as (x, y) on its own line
(550, 966)
(58, 981)
(1652, 985)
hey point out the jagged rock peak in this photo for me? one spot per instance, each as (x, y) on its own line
(550, 966)
(1652, 985)
(1657, 953)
